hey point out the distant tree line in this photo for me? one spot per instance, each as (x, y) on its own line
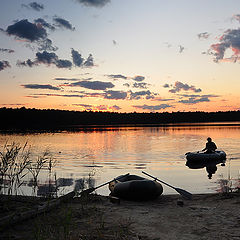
(50, 119)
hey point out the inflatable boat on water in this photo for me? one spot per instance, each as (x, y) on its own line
(202, 156)
(134, 187)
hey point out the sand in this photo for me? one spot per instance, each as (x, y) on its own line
(206, 216)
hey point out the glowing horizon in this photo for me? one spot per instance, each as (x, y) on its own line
(120, 56)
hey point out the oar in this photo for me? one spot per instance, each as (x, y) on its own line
(90, 190)
(200, 151)
(184, 193)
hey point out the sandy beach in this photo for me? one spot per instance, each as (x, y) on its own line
(206, 216)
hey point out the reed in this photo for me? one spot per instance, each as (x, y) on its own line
(69, 222)
(14, 161)
(17, 162)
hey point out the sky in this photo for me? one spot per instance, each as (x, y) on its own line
(120, 55)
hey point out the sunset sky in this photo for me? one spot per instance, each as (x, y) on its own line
(120, 55)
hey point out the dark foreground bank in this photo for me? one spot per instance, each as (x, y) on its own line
(207, 216)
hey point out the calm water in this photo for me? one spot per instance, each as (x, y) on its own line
(160, 151)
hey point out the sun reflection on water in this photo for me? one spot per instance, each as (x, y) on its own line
(158, 150)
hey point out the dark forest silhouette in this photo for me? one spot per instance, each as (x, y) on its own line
(49, 119)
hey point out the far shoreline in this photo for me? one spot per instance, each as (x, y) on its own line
(31, 119)
(117, 127)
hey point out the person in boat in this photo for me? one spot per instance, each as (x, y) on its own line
(210, 146)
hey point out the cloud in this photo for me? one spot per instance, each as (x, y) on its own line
(197, 95)
(77, 58)
(115, 107)
(62, 23)
(102, 107)
(51, 58)
(138, 78)
(196, 98)
(117, 76)
(6, 50)
(32, 32)
(31, 96)
(107, 94)
(178, 86)
(219, 51)
(166, 85)
(106, 108)
(34, 5)
(115, 95)
(27, 63)
(58, 23)
(138, 95)
(48, 58)
(94, 85)
(229, 40)
(89, 62)
(163, 99)
(126, 84)
(181, 48)
(94, 3)
(56, 95)
(47, 45)
(40, 86)
(26, 30)
(140, 85)
(236, 17)
(204, 35)
(98, 108)
(60, 63)
(86, 107)
(82, 105)
(79, 61)
(193, 100)
(95, 94)
(4, 64)
(153, 107)
(13, 104)
(43, 23)
(67, 79)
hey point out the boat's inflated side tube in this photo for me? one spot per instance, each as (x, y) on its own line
(217, 155)
(134, 187)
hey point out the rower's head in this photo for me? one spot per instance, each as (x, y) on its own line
(209, 139)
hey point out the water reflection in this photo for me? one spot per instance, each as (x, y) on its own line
(54, 188)
(111, 151)
(211, 169)
(64, 182)
(210, 165)
(47, 190)
(229, 183)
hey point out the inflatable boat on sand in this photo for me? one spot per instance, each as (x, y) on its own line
(134, 187)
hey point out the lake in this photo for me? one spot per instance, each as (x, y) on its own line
(104, 153)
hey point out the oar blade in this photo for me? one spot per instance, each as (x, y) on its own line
(184, 193)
